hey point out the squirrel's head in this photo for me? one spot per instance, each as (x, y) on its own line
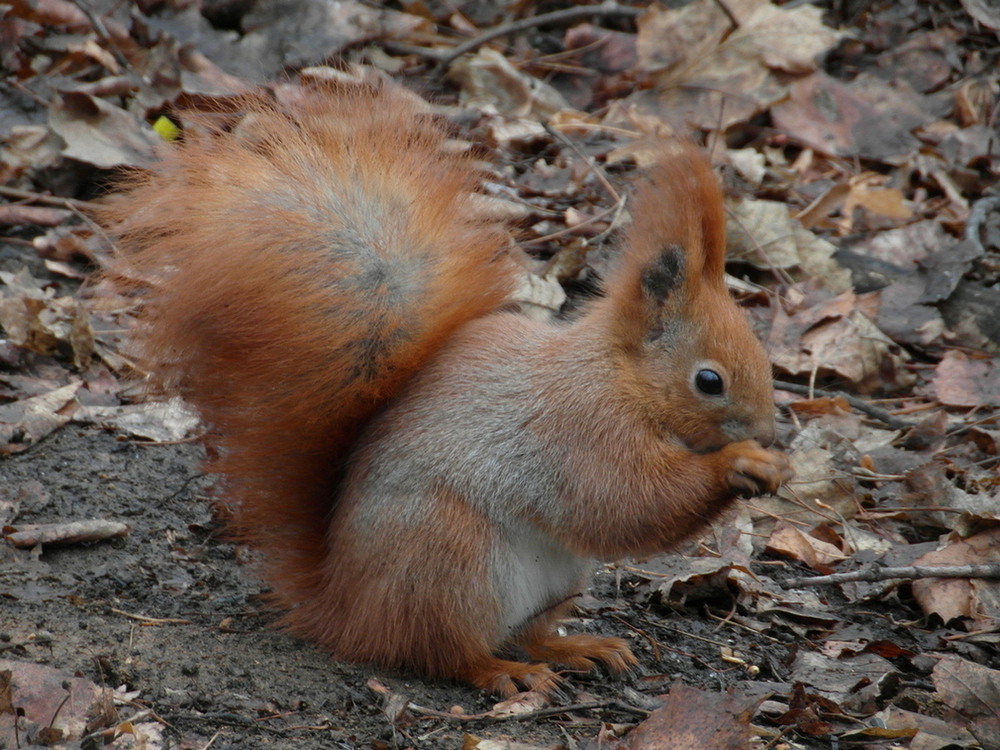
(687, 352)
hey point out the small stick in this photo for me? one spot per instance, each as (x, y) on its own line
(379, 689)
(65, 533)
(151, 620)
(52, 200)
(99, 27)
(861, 405)
(18, 214)
(873, 573)
(977, 216)
(537, 714)
(566, 15)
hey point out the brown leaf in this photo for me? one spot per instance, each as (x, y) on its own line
(792, 542)
(692, 719)
(974, 691)
(837, 338)
(714, 75)
(866, 117)
(40, 691)
(880, 200)
(488, 79)
(99, 133)
(960, 381)
(25, 422)
(951, 598)
(38, 321)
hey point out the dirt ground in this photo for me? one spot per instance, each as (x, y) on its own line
(222, 671)
(219, 674)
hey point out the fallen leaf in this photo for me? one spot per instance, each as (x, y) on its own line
(950, 598)
(99, 133)
(712, 74)
(974, 691)
(762, 233)
(692, 719)
(489, 80)
(792, 542)
(961, 381)
(37, 320)
(839, 678)
(159, 421)
(23, 423)
(866, 116)
(41, 692)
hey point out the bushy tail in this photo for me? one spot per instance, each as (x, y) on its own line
(296, 271)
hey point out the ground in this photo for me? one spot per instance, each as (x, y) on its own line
(214, 667)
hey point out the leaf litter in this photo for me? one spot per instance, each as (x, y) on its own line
(858, 146)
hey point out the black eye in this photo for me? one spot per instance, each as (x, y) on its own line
(708, 382)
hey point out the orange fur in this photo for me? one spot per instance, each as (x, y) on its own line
(423, 473)
(238, 236)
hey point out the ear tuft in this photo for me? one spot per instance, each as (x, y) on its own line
(664, 274)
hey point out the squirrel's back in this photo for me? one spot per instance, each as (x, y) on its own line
(297, 270)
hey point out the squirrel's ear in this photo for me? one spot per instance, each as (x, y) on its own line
(662, 284)
(663, 276)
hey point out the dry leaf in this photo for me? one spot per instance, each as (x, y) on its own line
(99, 133)
(974, 691)
(950, 598)
(25, 422)
(795, 543)
(960, 381)
(489, 81)
(866, 116)
(159, 421)
(39, 690)
(763, 234)
(692, 719)
(714, 75)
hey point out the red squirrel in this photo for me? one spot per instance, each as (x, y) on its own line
(425, 472)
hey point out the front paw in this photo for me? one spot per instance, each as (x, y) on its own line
(753, 470)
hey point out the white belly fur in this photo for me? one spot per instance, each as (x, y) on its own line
(533, 573)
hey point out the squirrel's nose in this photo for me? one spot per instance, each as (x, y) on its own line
(763, 431)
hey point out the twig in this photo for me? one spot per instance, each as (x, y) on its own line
(102, 32)
(402, 48)
(977, 216)
(399, 700)
(151, 620)
(619, 201)
(68, 688)
(567, 15)
(537, 714)
(728, 14)
(17, 214)
(871, 573)
(71, 532)
(861, 405)
(52, 200)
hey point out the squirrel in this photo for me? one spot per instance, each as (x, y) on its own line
(427, 473)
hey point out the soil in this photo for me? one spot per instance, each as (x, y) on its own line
(221, 673)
